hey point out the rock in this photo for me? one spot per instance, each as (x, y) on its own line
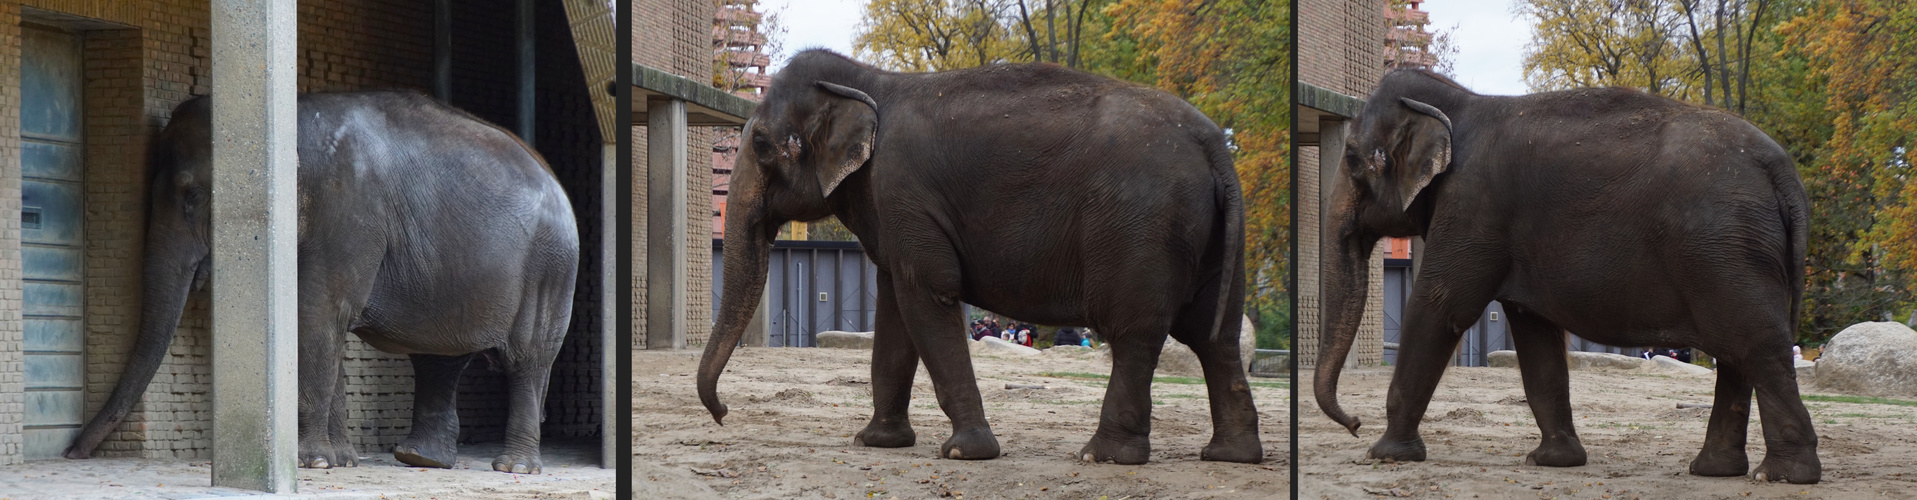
(1672, 365)
(1581, 360)
(1177, 359)
(1501, 359)
(1806, 371)
(845, 340)
(1870, 359)
(1067, 349)
(995, 345)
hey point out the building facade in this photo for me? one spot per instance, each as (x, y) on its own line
(676, 36)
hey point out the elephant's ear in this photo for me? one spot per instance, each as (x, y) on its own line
(1428, 147)
(852, 124)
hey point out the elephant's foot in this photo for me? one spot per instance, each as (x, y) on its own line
(1720, 463)
(1244, 450)
(881, 435)
(319, 456)
(1569, 454)
(1119, 451)
(1794, 470)
(424, 453)
(1411, 450)
(972, 444)
(517, 463)
(345, 455)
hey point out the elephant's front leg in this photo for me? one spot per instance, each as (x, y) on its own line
(319, 392)
(1428, 340)
(895, 361)
(936, 325)
(1547, 385)
(1125, 421)
(433, 441)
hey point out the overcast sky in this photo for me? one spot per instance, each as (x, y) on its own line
(1490, 38)
(815, 23)
(1490, 42)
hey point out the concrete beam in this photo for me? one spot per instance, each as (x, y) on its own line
(255, 292)
(705, 105)
(666, 225)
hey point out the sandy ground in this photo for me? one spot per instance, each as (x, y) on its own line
(1640, 444)
(571, 472)
(794, 411)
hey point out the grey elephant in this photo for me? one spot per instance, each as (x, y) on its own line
(1631, 219)
(422, 229)
(1034, 191)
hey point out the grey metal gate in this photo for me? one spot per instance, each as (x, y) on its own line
(813, 286)
(52, 249)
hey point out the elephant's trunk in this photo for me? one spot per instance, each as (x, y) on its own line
(1346, 250)
(747, 247)
(173, 260)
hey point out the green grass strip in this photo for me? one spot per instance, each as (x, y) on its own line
(1156, 380)
(1858, 400)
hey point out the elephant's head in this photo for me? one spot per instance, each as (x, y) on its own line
(799, 147)
(176, 261)
(1396, 149)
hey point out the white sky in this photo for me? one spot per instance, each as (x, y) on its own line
(1490, 41)
(814, 23)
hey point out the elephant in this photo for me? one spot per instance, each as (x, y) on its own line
(1629, 218)
(421, 228)
(1038, 192)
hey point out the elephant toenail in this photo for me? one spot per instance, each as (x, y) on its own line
(1762, 477)
(954, 453)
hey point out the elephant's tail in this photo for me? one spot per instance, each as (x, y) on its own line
(1793, 209)
(1232, 249)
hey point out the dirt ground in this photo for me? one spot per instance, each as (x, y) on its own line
(794, 411)
(1478, 429)
(571, 472)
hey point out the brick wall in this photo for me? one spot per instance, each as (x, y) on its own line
(1339, 48)
(675, 36)
(157, 57)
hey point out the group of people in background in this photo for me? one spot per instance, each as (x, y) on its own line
(1026, 334)
(1677, 354)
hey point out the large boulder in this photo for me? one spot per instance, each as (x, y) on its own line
(845, 340)
(1667, 364)
(1870, 359)
(1580, 360)
(1179, 360)
(995, 345)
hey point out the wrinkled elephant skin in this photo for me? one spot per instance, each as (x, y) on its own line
(422, 230)
(1031, 190)
(1628, 218)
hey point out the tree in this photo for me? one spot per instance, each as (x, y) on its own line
(935, 35)
(1595, 43)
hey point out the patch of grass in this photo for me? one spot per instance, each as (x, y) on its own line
(1858, 400)
(1182, 396)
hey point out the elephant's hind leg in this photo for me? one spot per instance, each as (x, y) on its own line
(433, 441)
(895, 361)
(1125, 421)
(1790, 444)
(1547, 385)
(343, 450)
(1723, 452)
(1234, 420)
(320, 391)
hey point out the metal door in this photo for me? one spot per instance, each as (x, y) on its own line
(52, 249)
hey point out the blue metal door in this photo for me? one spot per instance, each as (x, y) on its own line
(52, 250)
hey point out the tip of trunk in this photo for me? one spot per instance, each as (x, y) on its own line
(1326, 392)
(710, 365)
(75, 453)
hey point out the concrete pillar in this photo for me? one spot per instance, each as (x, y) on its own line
(610, 341)
(758, 331)
(666, 228)
(255, 292)
(443, 50)
(523, 41)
